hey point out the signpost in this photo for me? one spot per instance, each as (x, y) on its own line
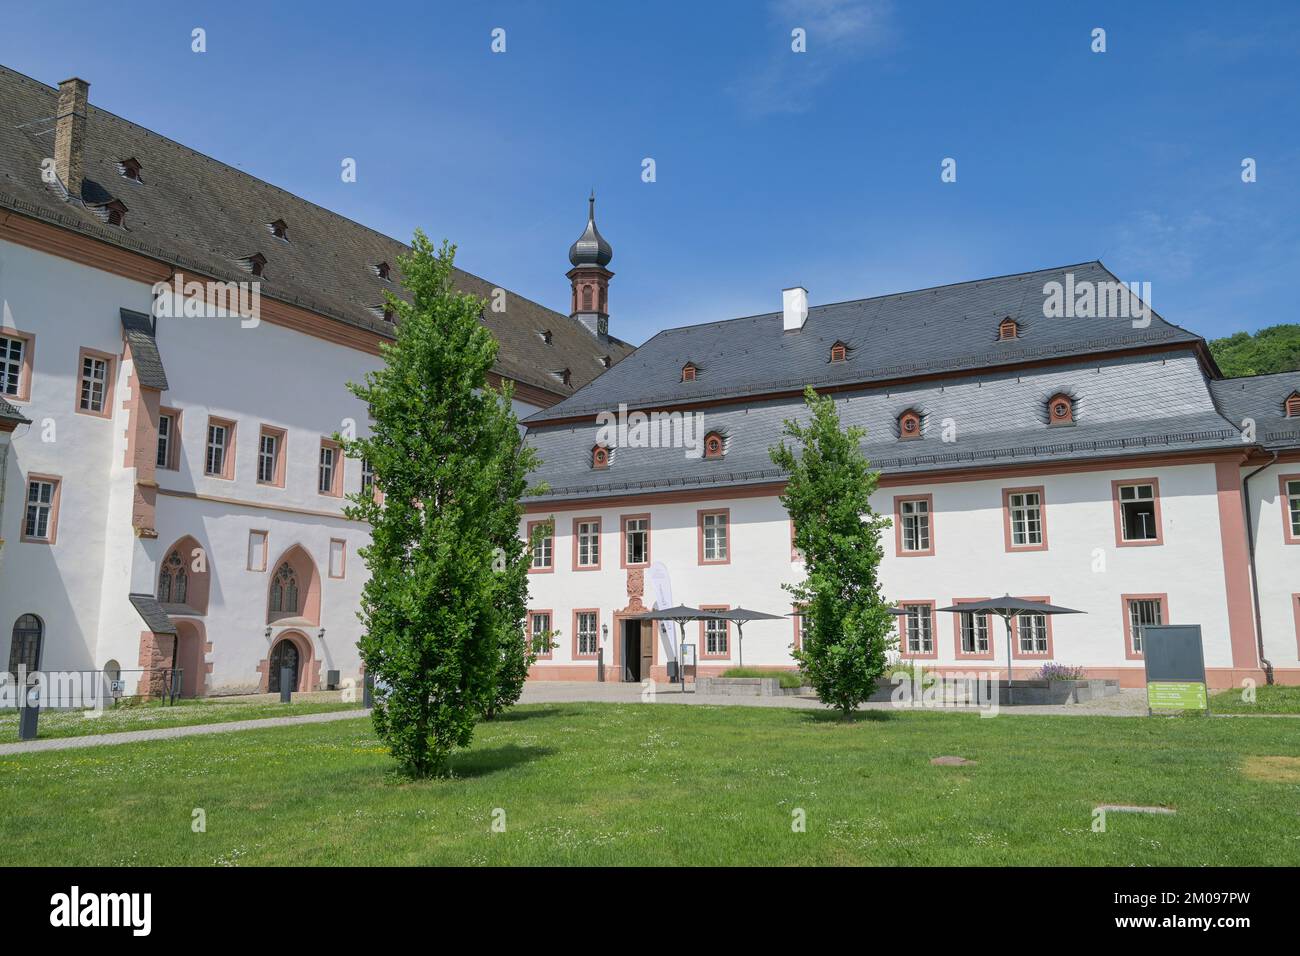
(1175, 668)
(688, 664)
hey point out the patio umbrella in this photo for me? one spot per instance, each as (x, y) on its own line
(682, 615)
(1007, 607)
(741, 616)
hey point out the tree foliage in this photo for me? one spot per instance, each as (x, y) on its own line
(828, 498)
(1274, 349)
(444, 606)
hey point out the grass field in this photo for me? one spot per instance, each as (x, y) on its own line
(74, 723)
(668, 784)
(1268, 700)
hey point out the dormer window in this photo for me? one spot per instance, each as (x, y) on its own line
(1008, 329)
(599, 457)
(1060, 410)
(604, 361)
(714, 446)
(839, 352)
(563, 375)
(545, 335)
(114, 213)
(689, 371)
(130, 169)
(1293, 405)
(383, 271)
(909, 425)
(388, 314)
(279, 229)
(256, 263)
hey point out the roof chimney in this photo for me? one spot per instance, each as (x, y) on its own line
(795, 303)
(70, 134)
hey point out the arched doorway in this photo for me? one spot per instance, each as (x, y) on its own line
(25, 648)
(284, 654)
(189, 658)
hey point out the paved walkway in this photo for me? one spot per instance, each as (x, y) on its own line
(1127, 703)
(167, 733)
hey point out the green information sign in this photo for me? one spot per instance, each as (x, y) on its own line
(1176, 695)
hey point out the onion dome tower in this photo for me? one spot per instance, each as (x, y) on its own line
(589, 277)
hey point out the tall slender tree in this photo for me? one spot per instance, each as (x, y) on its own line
(448, 571)
(828, 497)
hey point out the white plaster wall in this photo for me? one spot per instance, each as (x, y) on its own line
(66, 306)
(969, 561)
(1277, 565)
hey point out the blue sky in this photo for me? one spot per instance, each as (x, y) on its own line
(773, 168)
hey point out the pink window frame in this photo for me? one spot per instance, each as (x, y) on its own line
(528, 541)
(266, 539)
(55, 498)
(699, 536)
(1016, 653)
(1287, 536)
(898, 525)
(956, 633)
(228, 460)
(282, 441)
(528, 630)
(1006, 518)
(174, 439)
(25, 368)
(600, 539)
(902, 633)
(329, 559)
(336, 478)
(1159, 539)
(574, 640)
(622, 540)
(1163, 598)
(704, 644)
(110, 377)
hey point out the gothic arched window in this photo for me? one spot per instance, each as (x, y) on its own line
(284, 591)
(173, 582)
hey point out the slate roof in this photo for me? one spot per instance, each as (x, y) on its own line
(152, 613)
(139, 330)
(9, 413)
(1126, 405)
(1262, 399)
(938, 330)
(197, 213)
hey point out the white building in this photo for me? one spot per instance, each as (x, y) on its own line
(1101, 463)
(169, 486)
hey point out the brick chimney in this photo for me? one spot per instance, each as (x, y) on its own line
(70, 134)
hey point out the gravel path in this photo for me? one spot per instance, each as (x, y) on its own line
(167, 733)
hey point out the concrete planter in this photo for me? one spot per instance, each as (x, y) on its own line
(1060, 691)
(748, 687)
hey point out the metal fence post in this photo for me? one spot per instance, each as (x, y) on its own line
(600, 665)
(286, 685)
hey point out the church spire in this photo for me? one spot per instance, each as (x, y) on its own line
(589, 276)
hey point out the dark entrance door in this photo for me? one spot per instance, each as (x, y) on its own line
(632, 651)
(284, 654)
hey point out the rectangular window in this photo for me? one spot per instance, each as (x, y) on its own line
(367, 477)
(256, 551)
(974, 632)
(586, 626)
(338, 557)
(1137, 504)
(1031, 631)
(919, 624)
(636, 540)
(912, 516)
(713, 537)
(94, 388)
(40, 522)
(1291, 508)
(715, 638)
(1024, 511)
(586, 543)
(801, 625)
(329, 475)
(1141, 612)
(270, 457)
(541, 541)
(12, 354)
(219, 458)
(539, 623)
(166, 429)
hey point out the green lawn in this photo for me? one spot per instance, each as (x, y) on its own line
(74, 723)
(672, 784)
(1268, 700)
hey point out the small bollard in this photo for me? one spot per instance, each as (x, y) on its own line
(286, 685)
(368, 691)
(29, 715)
